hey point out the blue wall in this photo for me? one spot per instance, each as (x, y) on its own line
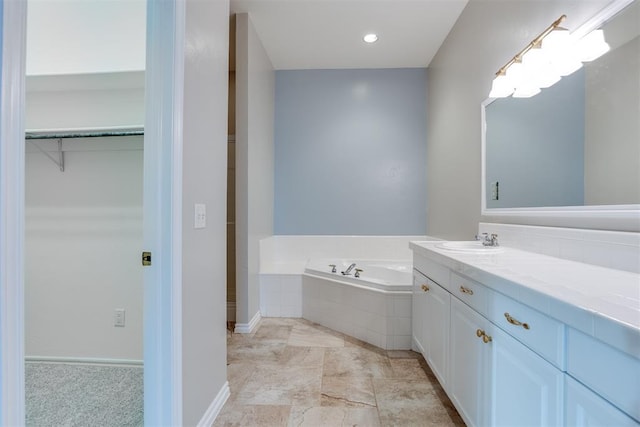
(350, 152)
(535, 147)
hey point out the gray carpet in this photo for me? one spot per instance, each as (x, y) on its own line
(59, 394)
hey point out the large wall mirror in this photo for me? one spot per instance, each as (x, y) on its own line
(573, 150)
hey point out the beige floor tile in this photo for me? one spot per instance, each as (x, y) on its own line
(333, 416)
(411, 403)
(310, 336)
(348, 391)
(407, 368)
(275, 385)
(302, 356)
(294, 372)
(254, 350)
(253, 415)
(356, 362)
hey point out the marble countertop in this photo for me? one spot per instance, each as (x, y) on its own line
(599, 301)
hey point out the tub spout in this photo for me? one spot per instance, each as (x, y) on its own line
(348, 270)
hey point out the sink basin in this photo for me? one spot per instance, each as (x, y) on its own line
(472, 246)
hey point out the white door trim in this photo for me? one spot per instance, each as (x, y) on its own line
(163, 227)
(162, 212)
(12, 166)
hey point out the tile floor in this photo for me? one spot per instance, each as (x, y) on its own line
(291, 372)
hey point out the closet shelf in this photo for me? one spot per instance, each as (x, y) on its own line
(59, 135)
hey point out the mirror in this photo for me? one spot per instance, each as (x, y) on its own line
(575, 145)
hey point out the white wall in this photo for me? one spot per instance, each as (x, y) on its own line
(255, 88)
(204, 349)
(85, 100)
(78, 36)
(84, 225)
(82, 249)
(487, 34)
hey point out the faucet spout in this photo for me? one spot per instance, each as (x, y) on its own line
(348, 270)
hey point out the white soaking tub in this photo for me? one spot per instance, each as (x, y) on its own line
(375, 308)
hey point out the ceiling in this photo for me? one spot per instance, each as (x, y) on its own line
(327, 34)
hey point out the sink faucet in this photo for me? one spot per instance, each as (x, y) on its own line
(488, 241)
(348, 270)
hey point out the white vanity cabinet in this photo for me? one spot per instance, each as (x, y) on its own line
(518, 352)
(469, 355)
(495, 379)
(526, 390)
(431, 324)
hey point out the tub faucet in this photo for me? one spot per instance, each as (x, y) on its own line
(348, 270)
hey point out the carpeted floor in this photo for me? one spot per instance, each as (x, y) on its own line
(59, 394)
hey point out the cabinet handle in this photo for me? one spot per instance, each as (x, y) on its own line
(425, 288)
(515, 322)
(485, 338)
(466, 290)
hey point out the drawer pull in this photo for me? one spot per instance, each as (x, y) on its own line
(425, 288)
(485, 338)
(466, 290)
(515, 322)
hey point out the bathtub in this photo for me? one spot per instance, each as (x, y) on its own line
(375, 308)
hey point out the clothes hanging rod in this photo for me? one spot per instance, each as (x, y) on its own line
(93, 134)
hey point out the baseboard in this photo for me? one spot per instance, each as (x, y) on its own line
(216, 406)
(231, 311)
(247, 328)
(85, 361)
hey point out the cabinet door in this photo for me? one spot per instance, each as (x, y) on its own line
(436, 331)
(418, 312)
(526, 390)
(584, 408)
(469, 357)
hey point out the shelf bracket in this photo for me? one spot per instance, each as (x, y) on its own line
(60, 160)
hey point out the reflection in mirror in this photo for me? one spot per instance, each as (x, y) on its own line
(576, 143)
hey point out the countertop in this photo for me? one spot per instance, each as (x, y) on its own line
(599, 301)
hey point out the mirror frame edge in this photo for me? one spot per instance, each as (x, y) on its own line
(601, 217)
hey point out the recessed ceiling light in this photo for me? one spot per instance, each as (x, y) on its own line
(370, 38)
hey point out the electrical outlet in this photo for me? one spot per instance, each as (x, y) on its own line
(200, 211)
(118, 318)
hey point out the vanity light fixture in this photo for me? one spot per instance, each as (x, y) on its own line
(370, 38)
(555, 53)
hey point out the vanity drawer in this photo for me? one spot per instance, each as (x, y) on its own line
(434, 271)
(536, 330)
(612, 374)
(472, 293)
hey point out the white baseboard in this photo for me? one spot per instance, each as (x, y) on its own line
(247, 328)
(85, 360)
(231, 311)
(216, 406)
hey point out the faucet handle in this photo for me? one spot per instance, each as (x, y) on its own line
(333, 268)
(494, 239)
(358, 271)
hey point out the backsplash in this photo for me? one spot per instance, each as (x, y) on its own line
(612, 249)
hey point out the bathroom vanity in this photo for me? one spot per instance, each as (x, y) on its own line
(520, 338)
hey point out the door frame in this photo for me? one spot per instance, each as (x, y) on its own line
(14, 18)
(162, 211)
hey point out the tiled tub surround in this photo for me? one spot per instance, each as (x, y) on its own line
(596, 311)
(283, 260)
(375, 309)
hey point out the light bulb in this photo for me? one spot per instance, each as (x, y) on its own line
(501, 87)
